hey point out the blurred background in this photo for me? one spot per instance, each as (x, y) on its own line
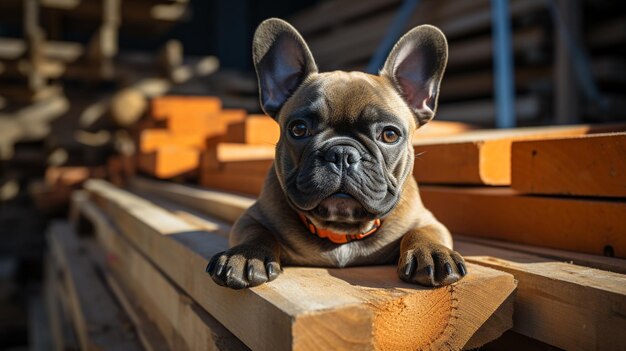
(77, 78)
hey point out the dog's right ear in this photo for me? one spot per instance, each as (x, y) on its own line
(282, 61)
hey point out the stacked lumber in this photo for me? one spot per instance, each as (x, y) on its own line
(564, 186)
(345, 34)
(189, 134)
(551, 282)
(157, 246)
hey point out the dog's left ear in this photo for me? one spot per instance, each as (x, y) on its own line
(282, 61)
(415, 66)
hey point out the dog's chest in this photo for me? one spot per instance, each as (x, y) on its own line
(340, 256)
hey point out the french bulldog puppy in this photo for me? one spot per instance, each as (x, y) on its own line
(341, 191)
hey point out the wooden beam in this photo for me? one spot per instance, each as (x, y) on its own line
(483, 156)
(611, 264)
(361, 307)
(442, 128)
(97, 325)
(183, 323)
(212, 125)
(561, 304)
(151, 139)
(169, 161)
(248, 184)
(575, 224)
(225, 206)
(217, 155)
(593, 165)
(165, 107)
(255, 129)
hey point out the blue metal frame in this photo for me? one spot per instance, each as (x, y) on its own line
(504, 79)
(393, 34)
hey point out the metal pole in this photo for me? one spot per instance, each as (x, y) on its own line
(504, 80)
(393, 33)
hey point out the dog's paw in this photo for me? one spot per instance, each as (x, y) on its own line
(243, 266)
(431, 265)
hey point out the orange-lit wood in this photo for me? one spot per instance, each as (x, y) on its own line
(592, 165)
(575, 224)
(484, 156)
(255, 129)
(169, 161)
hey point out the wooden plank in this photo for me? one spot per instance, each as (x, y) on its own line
(225, 206)
(212, 125)
(248, 184)
(484, 156)
(181, 321)
(151, 139)
(358, 308)
(255, 129)
(169, 161)
(164, 107)
(442, 128)
(561, 304)
(98, 326)
(216, 155)
(574, 224)
(593, 165)
(611, 264)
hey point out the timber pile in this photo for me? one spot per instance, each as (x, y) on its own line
(564, 186)
(156, 250)
(158, 236)
(344, 34)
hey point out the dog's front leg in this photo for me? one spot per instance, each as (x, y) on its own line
(252, 260)
(427, 258)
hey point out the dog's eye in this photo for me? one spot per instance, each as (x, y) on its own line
(298, 129)
(389, 135)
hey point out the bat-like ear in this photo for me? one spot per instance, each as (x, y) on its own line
(415, 66)
(282, 61)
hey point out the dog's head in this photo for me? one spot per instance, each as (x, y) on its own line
(345, 148)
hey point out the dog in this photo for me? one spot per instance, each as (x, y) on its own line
(341, 192)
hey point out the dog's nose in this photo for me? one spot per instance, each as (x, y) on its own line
(343, 156)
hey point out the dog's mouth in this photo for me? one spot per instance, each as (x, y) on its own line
(341, 208)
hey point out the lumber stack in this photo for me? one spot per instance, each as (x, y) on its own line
(551, 282)
(156, 247)
(194, 135)
(564, 186)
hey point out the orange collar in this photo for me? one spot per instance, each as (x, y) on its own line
(338, 238)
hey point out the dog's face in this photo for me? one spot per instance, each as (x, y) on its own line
(346, 137)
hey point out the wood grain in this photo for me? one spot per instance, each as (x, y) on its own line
(483, 157)
(593, 165)
(575, 224)
(561, 304)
